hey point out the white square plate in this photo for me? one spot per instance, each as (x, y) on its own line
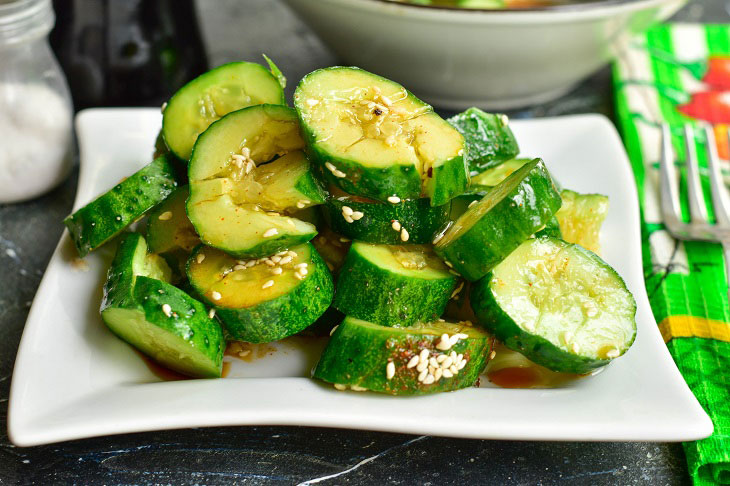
(74, 379)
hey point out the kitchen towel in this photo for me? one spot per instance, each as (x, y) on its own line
(680, 73)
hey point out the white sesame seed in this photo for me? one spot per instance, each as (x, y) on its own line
(444, 343)
(200, 257)
(344, 240)
(303, 271)
(390, 370)
(461, 365)
(413, 362)
(461, 335)
(285, 260)
(422, 366)
(457, 290)
(165, 216)
(211, 313)
(332, 331)
(167, 310)
(164, 106)
(250, 166)
(455, 368)
(432, 361)
(614, 353)
(300, 205)
(291, 253)
(454, 272)
(395, 225)
(347, 210)
(301, 265)
(423, 355)
(340, 387)
(472, 203)
(251, 263)
(356, 215)
(393, 199)
(276, 270)
(358, 388)
(437, 374)
(429, 379)
(270, 232)
(299, 275)
(118, 218)
(447, 373)
(348, 218)
(422, 375)
(447, 363)
(492, 354)
(275, 258)
(269, 262)
(239, 267)
(339, 173)
(386, 101)
(215, 295)
(448, 264)
(441, 358)
(438, 238)
(269, 283)
(404, 234)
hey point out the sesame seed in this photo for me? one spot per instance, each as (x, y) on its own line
(332, 331)
(340, 387)
(348, 218)
(423, 355)
(344, 240)
(277, 270)
(438, 238)
(250, 263)
(390, 370)
(330, 166)
(492, 354)
(118, 218)
(216, 295)
(356, 215)
(444, 343)
(422, 366)
(211, 313)
(301, 265)
(422, 375)
(447, 362)
(404, 234)
(347, 210)
(429, 379)
(275, 258)
(437, 374)
(165, 216)
(394, 199)
(167, 310)
(269, 262)
(447, 373)
(386, 101)
(164, 106)
(472, 203)
(448, 264)
(358, 388)
(269, 283)
(291, 253)
(285, 260)
(432, 361)
(454, 272)
(270, 232)
(614, 353)
(441, 358)
(200, 257)
(250, 166)
(299, 275)
(300, 205)
(395, 225)
(413, 362)
(457, 290)
(303, 271)
(239, 267)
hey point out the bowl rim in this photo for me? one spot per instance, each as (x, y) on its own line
(567, 7)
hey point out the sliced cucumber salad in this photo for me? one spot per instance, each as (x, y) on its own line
(352, 215)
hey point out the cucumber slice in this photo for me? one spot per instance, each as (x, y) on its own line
(160, 320)
(211, 95)
(267, 299)
(558, 304)
(169, 231)
(107, 216)
(228, 196)
(488, 139)
(510, 213)
(580, 218)
(493, 176)
(412, 221)
(393, 285)
(365, 356)
(375, 139)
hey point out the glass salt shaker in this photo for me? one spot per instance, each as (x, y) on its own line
(35, 104)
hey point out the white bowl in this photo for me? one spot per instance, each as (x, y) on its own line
(495, 59)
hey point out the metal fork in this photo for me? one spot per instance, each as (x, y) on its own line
(699, 227)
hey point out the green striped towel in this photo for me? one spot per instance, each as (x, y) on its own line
(680, 73)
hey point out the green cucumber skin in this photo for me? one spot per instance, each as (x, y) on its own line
(447, 181)
(311, 189)
(106, 216)
(417, 216)
(488, 140)
(460, 203)
(538, 349)
(124, 290)
(505, 226)
(351, 359)
(551, 229)
(377, 183)
(374, 294)
(281, 317)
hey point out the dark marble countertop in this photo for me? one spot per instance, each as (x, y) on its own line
(291, 455)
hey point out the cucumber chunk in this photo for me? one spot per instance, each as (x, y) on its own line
(558, 304)
(211, 95)
(412, 221)
(267, 299)
(488, 139)
(106, 216)
(365, 356)
(393, 285)
(375, 139)
(580, 218)
(510, 213)
(160, 320)
(234, 205)
(169, 231)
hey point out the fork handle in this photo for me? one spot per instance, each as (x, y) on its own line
(726, 254)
